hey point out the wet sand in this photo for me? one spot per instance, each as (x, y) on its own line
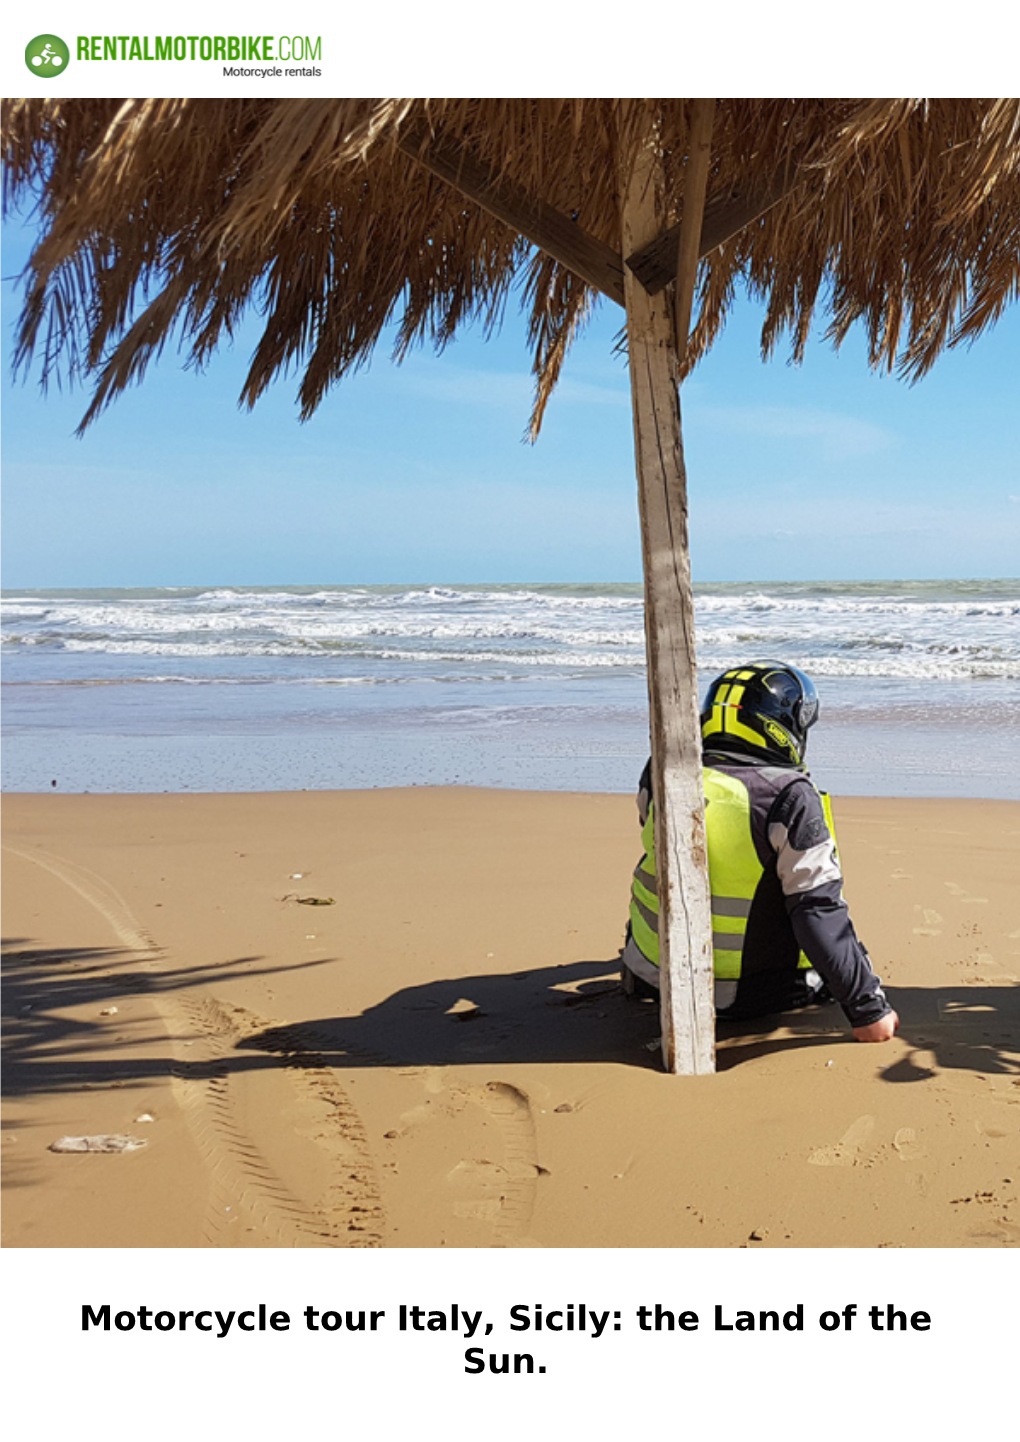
(442, 1056)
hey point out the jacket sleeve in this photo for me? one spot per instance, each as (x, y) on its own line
(812, 886)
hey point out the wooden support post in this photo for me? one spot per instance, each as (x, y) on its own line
(685, 919)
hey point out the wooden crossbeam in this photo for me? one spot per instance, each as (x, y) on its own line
(542, 224)
(699, 160)
(655, 265)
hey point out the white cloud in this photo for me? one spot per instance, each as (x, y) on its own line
(845, 434)
(835, 533)
(466, 387)
(506, 388)
(588, 393)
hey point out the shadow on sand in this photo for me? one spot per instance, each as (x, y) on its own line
(46, 1050)
(577, 1013)
(558, 1015)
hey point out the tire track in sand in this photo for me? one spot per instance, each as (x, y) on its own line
(245, 1192)
(505, 1191)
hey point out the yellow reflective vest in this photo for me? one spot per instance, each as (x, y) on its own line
(734, 870)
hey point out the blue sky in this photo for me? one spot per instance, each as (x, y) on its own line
(419, 473)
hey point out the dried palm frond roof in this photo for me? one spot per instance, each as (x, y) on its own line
(168, 219)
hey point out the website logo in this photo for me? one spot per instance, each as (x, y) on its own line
(46, 56)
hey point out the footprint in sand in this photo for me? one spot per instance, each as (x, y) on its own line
(995, 1133)
(932, 921)
(485, 1184)
(906, 1145)
(503, 1193)
(844, 1152)
(961, 894)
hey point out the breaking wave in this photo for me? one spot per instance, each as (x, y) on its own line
(915, 631)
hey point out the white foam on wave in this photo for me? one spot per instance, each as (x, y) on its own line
(24, 611)
(859, 606)
(262, 600)
(914, 663)
(584, 659)
(521, 629)
(916, 668)
(174, 680)
(465, 629)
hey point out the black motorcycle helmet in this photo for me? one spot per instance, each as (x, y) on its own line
(762, 709)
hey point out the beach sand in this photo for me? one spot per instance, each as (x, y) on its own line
(442, 1057)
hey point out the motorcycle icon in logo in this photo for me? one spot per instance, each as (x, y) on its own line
(47, 55)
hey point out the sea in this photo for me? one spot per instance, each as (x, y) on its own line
(542, 687)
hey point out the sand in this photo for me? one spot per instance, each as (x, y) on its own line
(442, 1056)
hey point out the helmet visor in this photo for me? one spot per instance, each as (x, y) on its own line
(807, 711)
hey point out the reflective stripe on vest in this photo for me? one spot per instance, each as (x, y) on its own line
(734, 874)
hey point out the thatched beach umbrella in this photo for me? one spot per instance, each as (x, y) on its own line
(333, 218)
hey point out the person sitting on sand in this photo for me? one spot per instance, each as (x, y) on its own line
(781, 930)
